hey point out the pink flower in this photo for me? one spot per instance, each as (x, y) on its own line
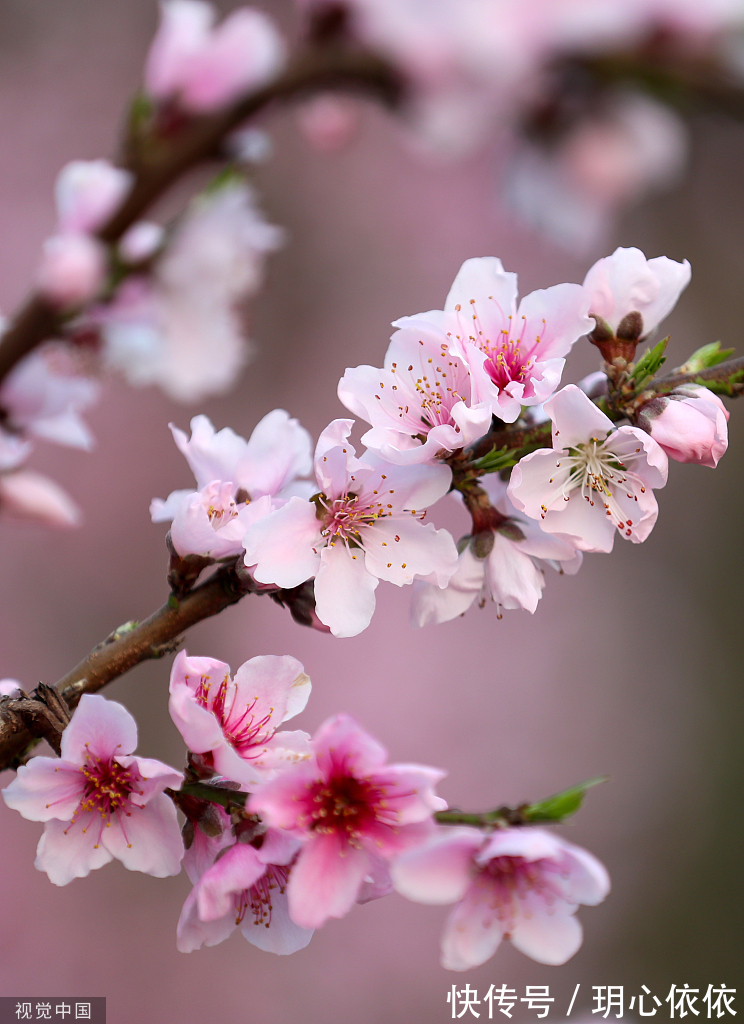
(98, 801)
(87, 193)
(595, 481)
(72, 269)
(235, 721)
(246, 888)
(29, 495)
(352, 812)
(690, 424)
(515, 354)
(9, 687)
(364, 526)
(206, 68)
(522, 884)
(627, 283)
(504, 565)
(421, 402)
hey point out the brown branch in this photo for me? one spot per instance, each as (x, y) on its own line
(714, 374)
(157, 166)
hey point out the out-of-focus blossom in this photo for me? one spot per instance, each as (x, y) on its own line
(364, 526)
(29, 495)
(234, 722)
(232, 475)
(98, 801)
(631, 294)
(87, 193)
(329, 121)
(245, 888)
(178, 328)
(690, 424)
(521, 884)
(421, 401)
(141, 241)
(514, 353)
(504, 564)
(9, 687)
(72, 269)
(596, 481)
(573, 188)
(353, 812)
(205, 68)
(44, 394)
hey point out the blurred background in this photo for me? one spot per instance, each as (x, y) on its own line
(631, 668)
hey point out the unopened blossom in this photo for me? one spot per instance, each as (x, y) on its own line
(631, 294)
(87, 193)
(233, 722)
(25, 494)
(690, 424)
(234, 477)
(363, 526)
(245, 888)
(421, 402)
(44, 394)
(72, 269)
(98, 801)
(522, 884)
(352, 812)
(504, 564)
(514, 352)
(178, 327)
(595, 482)
(203, 67)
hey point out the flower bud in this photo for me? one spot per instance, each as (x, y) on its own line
(689, 424)
(88, 192)
(72, 269)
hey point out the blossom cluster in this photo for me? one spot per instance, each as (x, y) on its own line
(448, 376)
(315, 824)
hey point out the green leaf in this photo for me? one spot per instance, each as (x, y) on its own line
(496, 460)
(708, 355)
(649, 363)
(561, 805)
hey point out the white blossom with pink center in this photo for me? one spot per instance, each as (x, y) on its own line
(510, 574)
(626, 282)
(203, 67)
(420, 403)
(178, 327)
(595, 482)
(690, 424)
(353, 812)
(365, 525)
(98, 801)
(514, 353)
(521, 884)
(245, 888)
(237, 480)
(233, 722)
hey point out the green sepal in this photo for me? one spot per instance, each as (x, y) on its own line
(649, 363)
(496, 460)
(705, 357)
(561, 805)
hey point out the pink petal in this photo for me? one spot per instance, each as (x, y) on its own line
(99, 728)
(399, 548)
(344, 590)
(325, 881)
(69, 856)
(148, 839)
(548, 934)
(472, 934)
(576, 418)
(280, 935)
(282, 546)
(237, 869)
(431, 604)
(440, 871)
(193, 933)
(276, 687)
(46, 788)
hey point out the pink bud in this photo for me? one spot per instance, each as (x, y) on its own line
(184, 29)
(72, 269)
(141, 241)
(88, 192)
(330, 122)
(689, 424)
(30, 495)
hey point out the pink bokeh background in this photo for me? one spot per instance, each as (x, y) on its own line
(630, 668)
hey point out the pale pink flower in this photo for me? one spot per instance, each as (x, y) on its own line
(233, 723)
(178, 328)
(353, 812)
(45, 393)
(514, 353)
(87, 193)
(14, 450)
(9, 687)
(246, 888)
(98, 801)
(504, 565)
(690, 424)
(205, 68)
(72, 269)
(141, 241)
(626, 282)
(596, 481)
(364, 526)
(29, 495)
(522, 884)
(421, 402)
(329, 121)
